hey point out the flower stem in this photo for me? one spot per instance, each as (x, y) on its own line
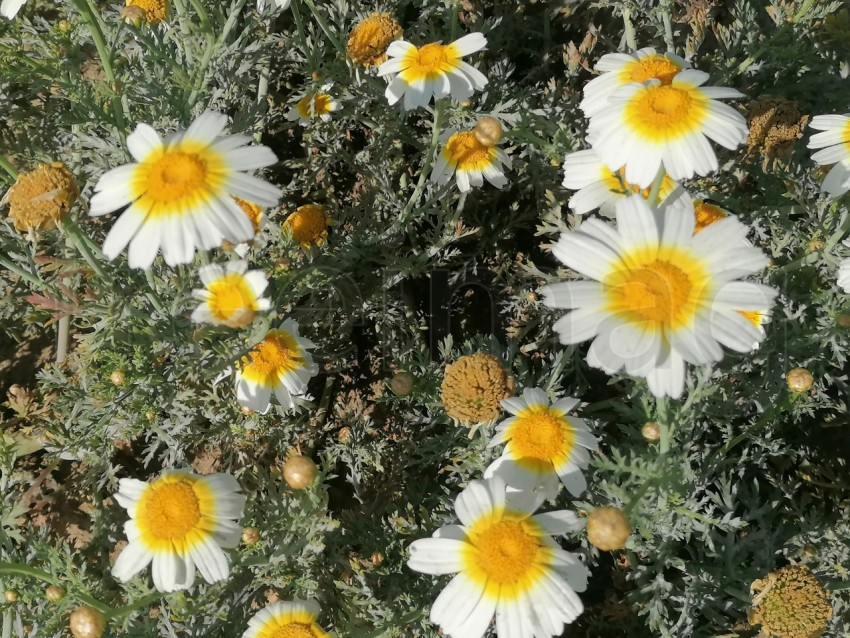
(201, 69)
(324, 26)
(664, 424)
(429, 159)
(39, 574)
(6, 165)
(630, 29)
(655, 191)
(78, 240)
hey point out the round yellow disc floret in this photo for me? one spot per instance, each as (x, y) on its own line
(473, 386)
(155, 10)
(309, 225)
(790, 603)
(42, 197)
(368, 42)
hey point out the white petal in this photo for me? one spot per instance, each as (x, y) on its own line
(132, 559)
(436, 556)
(143, 141)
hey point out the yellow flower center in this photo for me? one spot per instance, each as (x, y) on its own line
(505, 553)
(705, 215)
(540, 439)
(666, 290)
(653, 67)
(314, 105)
(232, 295)
(665, 113)
(252, 211)
(169, 510)
(616, 183)
(308, 224)
(369, 40)
(155, 10)
(845, 134)
(292, 630)
(464, 151)
(277, 354)
(178, 180)
(429, 62)
(40, 198)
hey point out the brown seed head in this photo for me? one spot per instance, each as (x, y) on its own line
(41, 198)
(790, 603)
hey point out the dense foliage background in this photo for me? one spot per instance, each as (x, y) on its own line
(755, 477)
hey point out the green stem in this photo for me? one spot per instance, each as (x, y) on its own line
(668, 31)
(429, 159)
(186, 32)
(39, 574)
(201, 69)
(90, 16)
(76, 236)
(655, 191)
(206, 24)
(324, 26)
(665, 424)
(144, 601)
(6, 165)
(23, 274)
(630, 29)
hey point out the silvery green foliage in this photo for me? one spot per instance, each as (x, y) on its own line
(752, 477)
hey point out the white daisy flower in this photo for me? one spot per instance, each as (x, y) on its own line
(232, 295)
(313, 105)
(620, 69)
(844, 275)
(181, 191)
(835, 142)
(659, 295)
(9, 8)
(646, 126)
(600, 187)
(470, 161)
(179, 521)
(434, 69)
(281, 364)
(543, 445)
(284, 619)
(507, 565)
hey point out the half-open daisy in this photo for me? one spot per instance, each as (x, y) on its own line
(470, 161)
(600, 187)
(180, 192)
(543, 445)
(281, 364)
(507, 565)
(646, 126)
(286, 619)
(432, 70)
(659, 295)
(231, 296)
(835, 144)
(314, 105)
(620, 69)
(179, 521)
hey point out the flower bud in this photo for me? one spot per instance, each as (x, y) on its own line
(87, 622)
(799, 380)
(54, 593)
(651, 431)
(402, 384)
(843, 320)
(250, 535)
(117, 378)
(299, 472)
(608, 528)
(11, 596)
(488, 131)
(377, 558)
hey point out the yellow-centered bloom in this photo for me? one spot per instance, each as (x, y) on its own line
(308, 225)
(279, 364)
(543, 444)
(286, 619)
(232, 295)
(506, 563)
(432, 70)
(656, 294)
(470, 161)
(314, 105)
(181, 192)
(179, 522)
(647, 126)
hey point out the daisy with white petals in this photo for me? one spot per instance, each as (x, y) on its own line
(620, 69)
(506, 563)
(543, 445)
(314, 105)
(232, 294)
(646, 126)
(279, 364)
(600, 187)
(178, 522)
(181, 191)
(432, 70)
(9, 8)
(844, 271)
(470, 161)
(659, 295)
(834, 140)
(286, 619)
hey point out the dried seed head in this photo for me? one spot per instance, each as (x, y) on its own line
(87, 622)
(41, 198)
(299, 472)
(473, 386)
(608, 528)
(799, 380)
(402, 384)
(790, 603)
(369, 39)
(488, 131)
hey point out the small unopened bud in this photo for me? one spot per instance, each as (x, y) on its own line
(133, 15)
(10, 595)
(54, 593)
(608, 528)
(87, 622)
(117, 378)
(488, 131)
(247, 411)
(815, 245)
(377, 558)
(799, 380)
(843, 320)
(344, 435)
(150, 415)
(299, 472)
(402, 384)
(250, 535)
(651, 431)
